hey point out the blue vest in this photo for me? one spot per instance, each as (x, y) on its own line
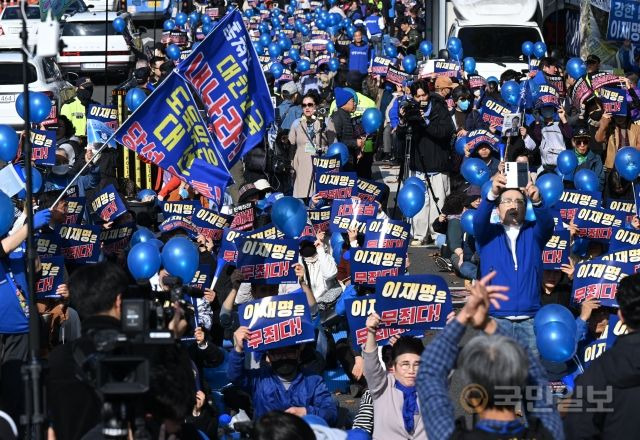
(359, 58)
(13, 318)
(373, 25)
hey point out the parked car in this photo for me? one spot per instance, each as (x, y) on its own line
(11, 26)
(43, 75)
(83, 37)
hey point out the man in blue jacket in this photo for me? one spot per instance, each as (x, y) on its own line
(513, 248)
(280, 384)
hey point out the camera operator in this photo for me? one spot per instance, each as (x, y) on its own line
(426, 119)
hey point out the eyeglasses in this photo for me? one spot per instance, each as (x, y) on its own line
(308, 104)
(581, 141)
(519, 202)
(406, 366)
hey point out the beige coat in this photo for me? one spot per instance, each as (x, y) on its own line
(302, 164)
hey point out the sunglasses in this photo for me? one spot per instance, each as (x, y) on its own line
(582, 141)
(308, 104)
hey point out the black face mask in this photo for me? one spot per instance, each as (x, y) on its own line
(308, 251)
(84, 95)
(285, 368)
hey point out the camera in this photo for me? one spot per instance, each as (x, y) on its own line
(412, 112)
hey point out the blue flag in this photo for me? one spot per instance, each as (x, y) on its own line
(225, 71)
(168, 131)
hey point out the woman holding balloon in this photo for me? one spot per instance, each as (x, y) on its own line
(307, 136)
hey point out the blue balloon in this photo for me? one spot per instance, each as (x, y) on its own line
(331, 48)
(426, 48)
(289, 215)
(194, 19)
(586, 180)
(409, 63)
(303, 65)
(351, 30)
(142, 235)
(485, 188)
(321, 24)
(371, 120)
(628, 163)
(134, 98)
(527, 48)
(145, 193)
(454, 46)
(338, 149)
(539, 49)
(336, 241)
(265, 40)
(391, 51)
(168, 25)
(277, 70)
(36, 181)
(410, 200)
(554, 313)
(143, 261)
(550, 187)
(157, 243)
(285, 43)
(567, 162)
(274, 50)
(461, 142)
(414, 180)
(510, 92)
(173, 52)
(475, 171)
(206, 28)
(181, 18)
(556, 342)
(119, 24)
(346, 22)
(466, 221)
(334, 64)
(180, 258)
(8, 143)
(529, 214)
(6, 213)
(335, 19)
(469, 65)
(294, 54)
(305, 30)
(576, 68)
(39, 106)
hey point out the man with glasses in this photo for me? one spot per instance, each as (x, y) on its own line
(513, 248)
(587, 159)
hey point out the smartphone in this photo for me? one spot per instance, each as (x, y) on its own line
(517, 174)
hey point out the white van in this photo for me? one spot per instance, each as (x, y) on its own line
(492, 32)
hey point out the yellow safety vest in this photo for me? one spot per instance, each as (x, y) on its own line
(76, 113)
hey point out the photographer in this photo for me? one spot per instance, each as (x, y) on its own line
(426, 119)
(308, 136)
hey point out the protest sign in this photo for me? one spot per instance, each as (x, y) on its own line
(79, 244)
(277, 321)
(602, 79)
(417, 302)
(477, 82)
(51, 276)
(202, 278)
(481, 136)
(369, 190)
(580, 92)
(325, 165)
(267, 261)
(615, 328)
(636, 197)
(107, 204)
(179, 222)
(43, 147)
(598, 279)
(228, 251)
(380, 66)
(174, 37)
(367, 265)
(102, 122)
(116, 239)
(351, 214)
(243, 217)
(629, 255)
(624, 16)
(623, 238)
(358, 310)
(556, 251)
(592, 351)
(597, 224)
(613, 100)
(75, 210)
(335, 185)
(267, 232)
(557, 82)
(572, 200)
(387, 234)
(210, 224)
(48, 244)
(397, 76)
(625, 206)
(320, 218)
(183, 209)
(447, 68)
(493, 113)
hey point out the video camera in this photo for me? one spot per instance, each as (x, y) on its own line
(411, 112)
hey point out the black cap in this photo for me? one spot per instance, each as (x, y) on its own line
(593, 59)
(581, 132)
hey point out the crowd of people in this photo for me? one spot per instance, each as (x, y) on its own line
(332, 65)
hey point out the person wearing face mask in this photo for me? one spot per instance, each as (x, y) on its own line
(622, 133)
(61, 174)
(280, 383)
(551, 136)
(444, 86)
(76, 109)
(587, 159)
(463, 115)
(320, 271)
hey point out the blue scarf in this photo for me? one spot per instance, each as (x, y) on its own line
(500, 427)
(409, 406)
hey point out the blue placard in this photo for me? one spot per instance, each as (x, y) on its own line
(386, 233)
(325, 165)
(330, 185)
(267, 261)
(623, 238)
(614, 100)
(51, 276)
(277, 321)
(79, 244)
(493, 113)
(591, 351)
(43, 145)
(380, 66)
(615, 329)
(243, 217)
(351, 214)
(48, 244)
(625, 206)
(102, 122)
(116, 239)
(416, 302)
(447, 68)
(572, 200)
(228, 251)
(183, 209)
(481, 136)
(107, 204)
(210, 224)
(556, 251)
(202, 278)
(179, 222)
(624, 16)
(320, 218)
(369, 190)
(597, 224)
(629, 255)
(598, 279)
(75, 210)
(267, 232)
(367, 265)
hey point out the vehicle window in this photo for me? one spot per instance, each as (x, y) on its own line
(11, 73)
(51, 69)
(75, 7)
(14, 13)
(88, 29)
(495, 44)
